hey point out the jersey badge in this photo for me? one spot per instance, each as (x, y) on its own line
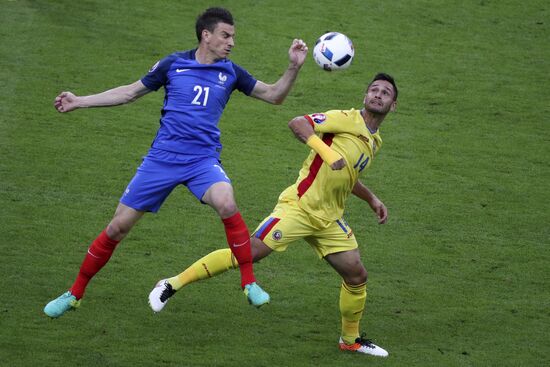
(318, 118)
(277, 235)
(154, 66)
(222, 77)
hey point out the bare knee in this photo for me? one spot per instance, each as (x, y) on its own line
(226, 208)
(117, 229)
(220, 197)
(348, 264)
(357, 277)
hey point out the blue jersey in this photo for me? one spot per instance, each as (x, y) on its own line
(196, 95)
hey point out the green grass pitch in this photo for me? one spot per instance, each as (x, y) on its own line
(459, 275)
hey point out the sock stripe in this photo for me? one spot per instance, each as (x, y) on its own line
(352, 288)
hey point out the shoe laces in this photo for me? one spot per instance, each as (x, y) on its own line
(364, 341)
(167, 292)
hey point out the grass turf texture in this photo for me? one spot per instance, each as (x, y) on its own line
(459, 275)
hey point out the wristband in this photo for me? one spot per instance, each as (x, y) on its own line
(328, 155)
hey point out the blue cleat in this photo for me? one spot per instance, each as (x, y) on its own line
(256, 295)
(61, 304)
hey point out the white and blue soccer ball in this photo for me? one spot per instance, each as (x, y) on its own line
(333, 51)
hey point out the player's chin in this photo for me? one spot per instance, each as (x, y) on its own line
(377, 109)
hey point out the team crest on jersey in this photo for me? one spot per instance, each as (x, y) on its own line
(277, 235)
(154, 66)
(222, 77)
(318, 118)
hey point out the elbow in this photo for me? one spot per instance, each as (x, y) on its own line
(275, 100)
(293, 124)
(275, 96)
(130, 97)
(300, 128)
(278, 100)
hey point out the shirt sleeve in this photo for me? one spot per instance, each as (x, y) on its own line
(158, 74)
(329, 122)
(245, 81)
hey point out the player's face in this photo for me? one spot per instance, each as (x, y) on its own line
(221, 41)
(379, 97)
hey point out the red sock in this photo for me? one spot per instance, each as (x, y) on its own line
(99, 253)
(238, 239)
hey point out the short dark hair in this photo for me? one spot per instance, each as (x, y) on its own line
(389, 79)
(210, 18)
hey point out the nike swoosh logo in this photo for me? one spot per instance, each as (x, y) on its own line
(181, 70)
(240, 244)
(97, 257)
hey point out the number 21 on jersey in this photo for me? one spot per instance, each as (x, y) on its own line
(201, 96)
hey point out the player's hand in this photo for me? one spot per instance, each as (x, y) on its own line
(338, 165)
(380, 210)
(65, 102)
(297, 52)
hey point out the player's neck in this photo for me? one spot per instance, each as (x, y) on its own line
(372, 120)
(204, 56)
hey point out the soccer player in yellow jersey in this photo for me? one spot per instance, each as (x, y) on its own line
(344, 143)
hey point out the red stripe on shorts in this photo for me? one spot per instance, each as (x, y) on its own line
(268, 228)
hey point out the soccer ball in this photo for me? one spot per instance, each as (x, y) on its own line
(333, 51)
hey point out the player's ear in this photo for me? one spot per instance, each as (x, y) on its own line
(205, 35)
(393, 106)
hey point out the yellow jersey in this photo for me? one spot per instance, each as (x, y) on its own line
(319, 190)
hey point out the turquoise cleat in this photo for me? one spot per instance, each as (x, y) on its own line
(61, 304)
(256, 295)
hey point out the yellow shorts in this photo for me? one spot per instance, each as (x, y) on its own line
(288, 223)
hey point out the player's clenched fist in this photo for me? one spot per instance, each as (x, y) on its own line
(65, 102)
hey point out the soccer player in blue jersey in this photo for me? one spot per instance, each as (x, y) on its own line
(186, 149)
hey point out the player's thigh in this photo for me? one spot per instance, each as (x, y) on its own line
(150, 186)
(210, 184)
(286, 224)
(335, 237)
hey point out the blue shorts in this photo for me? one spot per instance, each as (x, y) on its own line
(162, 171)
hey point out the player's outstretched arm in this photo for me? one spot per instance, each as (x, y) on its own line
(304, 132)
(363, 192)
(277, 92)
(67, 101)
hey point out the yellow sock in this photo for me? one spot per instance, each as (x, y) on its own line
(352, 304)
(214, 263)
